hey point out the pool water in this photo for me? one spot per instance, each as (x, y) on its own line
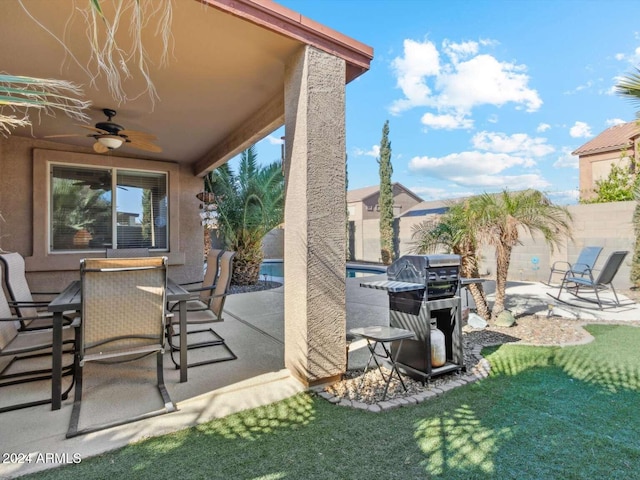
(276, 269)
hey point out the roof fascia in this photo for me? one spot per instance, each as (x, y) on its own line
(284, 21)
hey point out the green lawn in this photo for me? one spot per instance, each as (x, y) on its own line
(558, 413)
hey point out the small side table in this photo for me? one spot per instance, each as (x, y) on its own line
(382, 336)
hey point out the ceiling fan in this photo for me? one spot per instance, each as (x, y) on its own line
(110, 135)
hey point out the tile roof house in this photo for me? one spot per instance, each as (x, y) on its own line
(363, 202)
(616, 145)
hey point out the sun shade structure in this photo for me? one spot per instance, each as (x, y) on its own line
(237, 71)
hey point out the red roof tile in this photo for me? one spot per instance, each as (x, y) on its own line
(613, 138)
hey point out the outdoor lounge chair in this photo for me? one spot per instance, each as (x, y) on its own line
(573, 284)
(123, 319)
(586, 260)
(28, 311)
(212, 312)
(20, 346)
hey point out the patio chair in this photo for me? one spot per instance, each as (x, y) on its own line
(126, 252)
(213, 313)
(586, 260)
(573, 284)
(21, 298)
(123, 319)
(202, 294)
(18, 346)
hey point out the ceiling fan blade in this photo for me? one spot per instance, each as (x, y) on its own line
(94, 129)
(65, 135)
(141, 145)
(135, 135)
(99, 148)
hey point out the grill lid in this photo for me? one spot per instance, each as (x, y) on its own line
(415, 268)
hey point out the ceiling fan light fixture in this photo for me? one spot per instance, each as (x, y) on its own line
(111, 141)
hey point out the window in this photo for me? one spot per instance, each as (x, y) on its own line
(96, 208)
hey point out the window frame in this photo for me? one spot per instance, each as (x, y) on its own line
(69, 259)
(114, 172)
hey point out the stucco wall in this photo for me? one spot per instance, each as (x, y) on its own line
(608, 225)
(17, 199)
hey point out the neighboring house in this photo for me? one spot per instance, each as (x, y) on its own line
(364, 218)
(616, 145)
(362, 203)
(238, 70)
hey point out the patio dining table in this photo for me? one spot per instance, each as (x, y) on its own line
(70, 299)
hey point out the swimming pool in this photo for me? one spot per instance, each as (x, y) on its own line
(275, 268)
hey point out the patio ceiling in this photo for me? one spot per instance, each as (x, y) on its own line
(223, 87)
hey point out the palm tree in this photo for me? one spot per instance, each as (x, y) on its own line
(503, 217)
(250, 205)
(455, 231)
(20, 94)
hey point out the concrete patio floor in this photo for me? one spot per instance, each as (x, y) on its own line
(254, 329)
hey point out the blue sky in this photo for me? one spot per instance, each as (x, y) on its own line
(481, 95)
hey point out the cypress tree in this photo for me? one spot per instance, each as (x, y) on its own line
(386, 197)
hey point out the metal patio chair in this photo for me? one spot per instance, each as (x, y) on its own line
(21, 298)
(202, 292)
(573, 284)
(18, 346)
(123, 319)
(212, 312)
(586, 261)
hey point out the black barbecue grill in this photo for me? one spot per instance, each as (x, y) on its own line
(424, 289)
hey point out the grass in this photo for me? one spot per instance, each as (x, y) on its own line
(545, 412)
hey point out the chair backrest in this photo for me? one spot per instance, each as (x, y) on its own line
(611, 267)
(586, 259)
(211, 275)
(224, 281)
(123, 305)
(8, 330)
(16, 282)
(126, 252)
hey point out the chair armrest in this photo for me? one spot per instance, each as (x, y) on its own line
(189, 283)
(45, 293)
(553, 266)
(201, 289)
(28, 304)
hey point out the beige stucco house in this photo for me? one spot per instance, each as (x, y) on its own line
(362, 203)
(616, 145)
(238, 70)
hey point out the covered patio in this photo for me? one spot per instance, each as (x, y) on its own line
(237, 71)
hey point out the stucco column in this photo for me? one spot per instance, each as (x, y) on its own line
(314, 241)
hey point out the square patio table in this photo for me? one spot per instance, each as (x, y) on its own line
(70, 299)
(383, 335)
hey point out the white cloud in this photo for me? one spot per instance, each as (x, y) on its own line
(492, 118)
(518, 144)
(470, 79)
(564, 197)
(580, 130)
(610, 122)
(420, 60)
(456, 51)
(543, 127)
(484, 80)
(273, 140)
(472, 163)
(374, 152)
(446, 121)
(566, 160)
(579, 88)
(430, 193)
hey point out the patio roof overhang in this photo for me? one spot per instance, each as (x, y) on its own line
(222, 90)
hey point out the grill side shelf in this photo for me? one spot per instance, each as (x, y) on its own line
(393, 287)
